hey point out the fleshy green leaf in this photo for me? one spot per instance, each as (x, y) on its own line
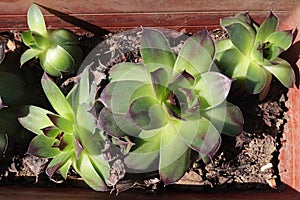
(51, 131)
(9, 121)
(42, 146)
(207, 43)
(232, 63)
(35, 119)
(147, 113)
(63, 36)
(174, 156)
(268, 27)
(244, 17)
(40, 41)
(63, 124)
(85, 119)
(56, 98)
(3, 142)
(126, 71)
(49, 69)
(196, 55)
(281, 39)
(70, 95)
(2, 51)
(258, 52)
(115, 124)
(155, 50)
(145, 153)
(201, 135)
(227, 118)
(29, 40)
(274, 52)
(66, 142)
(77, 55)
(78, 147)
(173, 172)
(28, 55)
(256, 78)
(57, 58)
(282, 70)
(65, 169)
(117, 95)
(223, 45)
(144, 90)
(241, 37)
(85, 92)
(182, 80)
(86, 128)
(188, 103)
(36, 21)
(213, 88)
(101, 166)
(160, 81)
(12, 88)
(85, 168)
(63, 158)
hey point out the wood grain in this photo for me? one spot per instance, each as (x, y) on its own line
(192, 15)
(33, 193)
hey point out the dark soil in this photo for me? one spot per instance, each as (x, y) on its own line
(249, 161)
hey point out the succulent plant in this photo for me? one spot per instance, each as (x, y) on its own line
(11, 82)
(57, 50)
(11, 79)
(11, 132)
(169, 107)
(69, 136)
(3, 142)
(251, 54)
(2, 51)
(18, 86)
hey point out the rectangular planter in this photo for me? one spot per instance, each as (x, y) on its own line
(191, 16)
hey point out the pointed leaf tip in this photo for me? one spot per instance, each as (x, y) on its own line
(42, 146)
(61, 123)
(56, 98)
(156, 50)
(268, 27)
(207, 42)
(196, 55)
(51, 131)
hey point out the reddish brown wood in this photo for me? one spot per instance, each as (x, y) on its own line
(177, 21)
(118, 15)
(290, 152)
(148, 6)
(18, 193)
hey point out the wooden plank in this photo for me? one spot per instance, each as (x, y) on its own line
(121, 15)
(148, 6)
(289, 166)
(115, 22)
(62, 193)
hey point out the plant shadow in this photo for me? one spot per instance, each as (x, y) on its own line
(77, 22)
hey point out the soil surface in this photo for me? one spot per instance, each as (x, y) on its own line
(249, 161)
